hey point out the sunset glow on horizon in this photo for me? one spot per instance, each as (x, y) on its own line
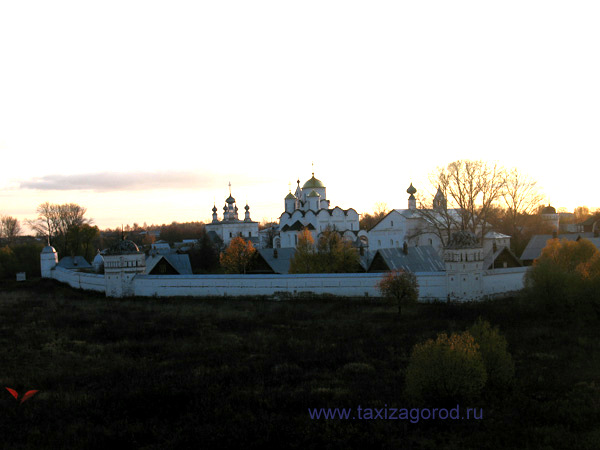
(143, 112)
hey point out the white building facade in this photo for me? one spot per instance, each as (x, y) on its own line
(308, 208)
(431, 227)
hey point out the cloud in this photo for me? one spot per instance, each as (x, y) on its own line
(134, 181)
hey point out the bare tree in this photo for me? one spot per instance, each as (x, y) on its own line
(44, 225)
(9, 228)
(56, 221)
(473, 187)
(581, 213)
(521, 197)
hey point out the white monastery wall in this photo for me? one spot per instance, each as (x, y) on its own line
(80, 280)
(432, 285)
(502, 281)
(235, 285)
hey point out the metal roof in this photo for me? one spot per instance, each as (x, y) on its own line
(488, 261)
(181, 263)
(418, 259)
(281, 264)
(539, 241)
(495, 235)
(74, 262)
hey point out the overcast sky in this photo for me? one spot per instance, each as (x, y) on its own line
(144, 111)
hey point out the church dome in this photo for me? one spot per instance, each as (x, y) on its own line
(411, 190)
(123, 246)
(313, 183)
(549, 210)
(48, 249)
(230, 199)
(314, 194)
(290, 196)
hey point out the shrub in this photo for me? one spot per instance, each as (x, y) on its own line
(399, 286)
(446, 371)
(498, 363)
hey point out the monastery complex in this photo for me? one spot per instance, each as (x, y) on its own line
(453, 267)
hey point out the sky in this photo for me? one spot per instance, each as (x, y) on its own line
(144, 111)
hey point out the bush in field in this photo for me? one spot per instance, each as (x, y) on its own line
(498, 363)
(446, 371)
(400, 287)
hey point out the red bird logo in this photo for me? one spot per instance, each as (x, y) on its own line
(27, 395)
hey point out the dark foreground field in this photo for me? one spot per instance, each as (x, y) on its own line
(198, 373)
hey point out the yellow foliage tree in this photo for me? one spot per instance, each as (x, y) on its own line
(332, 254)
(304, 260)
(238, 256)
(566, 273)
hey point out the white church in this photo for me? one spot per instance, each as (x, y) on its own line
(231, 225)
(308, 208)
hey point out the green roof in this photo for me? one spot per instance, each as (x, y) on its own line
(313, 183)
(314, 194)
(290, 196)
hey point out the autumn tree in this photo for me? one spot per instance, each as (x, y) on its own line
(238, 256)
(400, 287)
(368, 221)
(304, 259)
(331, 254)
(566, 274)
(335, 254)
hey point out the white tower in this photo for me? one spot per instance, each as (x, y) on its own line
(551, 218)
(463, 257)
(98, 262)
(48, 261)
(122, 262)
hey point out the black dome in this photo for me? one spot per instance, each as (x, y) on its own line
(123, 246)
(463, 239)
